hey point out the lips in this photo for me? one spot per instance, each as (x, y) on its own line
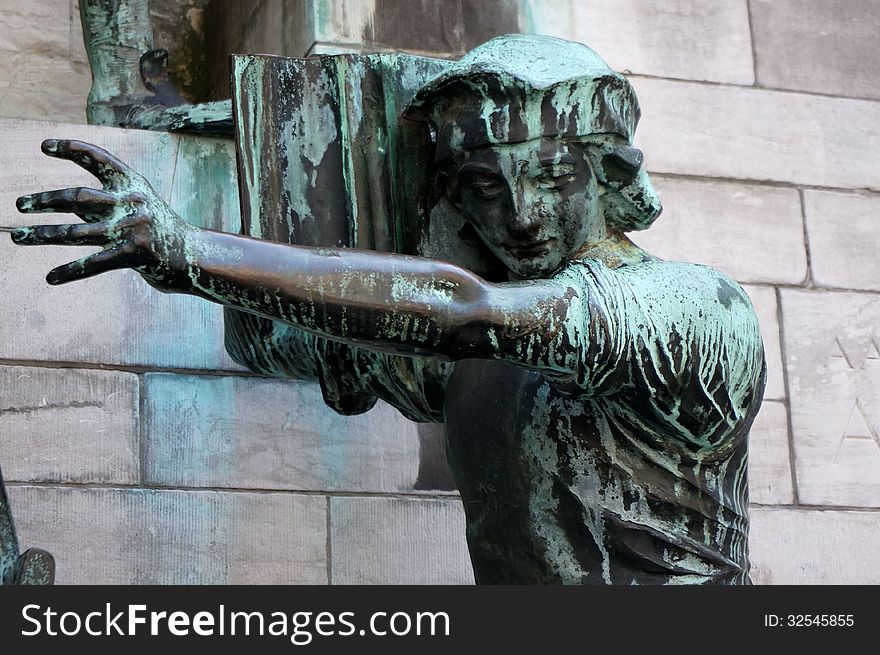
(532, 249)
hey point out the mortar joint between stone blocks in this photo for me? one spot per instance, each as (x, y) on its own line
(751, 87)
(329, 546)
(808, 282)
(787, 400)
(754, 48)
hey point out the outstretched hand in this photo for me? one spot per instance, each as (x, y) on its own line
(133, 224)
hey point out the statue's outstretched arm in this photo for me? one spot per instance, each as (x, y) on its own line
(392, 303)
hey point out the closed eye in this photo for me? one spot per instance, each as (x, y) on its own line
(555, 182)
(486, 188)
(556, 177)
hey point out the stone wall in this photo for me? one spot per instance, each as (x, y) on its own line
(138, 452)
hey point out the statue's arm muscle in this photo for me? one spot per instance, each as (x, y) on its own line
(392, 303)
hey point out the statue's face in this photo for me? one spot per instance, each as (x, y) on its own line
(534, 203)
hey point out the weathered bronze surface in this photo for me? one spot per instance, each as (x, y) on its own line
(130, 85)
(32, 567)
(596, 399)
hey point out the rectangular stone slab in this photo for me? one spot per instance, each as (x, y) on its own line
(792, 546)
(246, 432)
(398, 541)
(68, 425)
(148, 536)
(833, 364)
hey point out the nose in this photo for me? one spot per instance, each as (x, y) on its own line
(525, 218)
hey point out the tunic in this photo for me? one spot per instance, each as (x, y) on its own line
(628, 467)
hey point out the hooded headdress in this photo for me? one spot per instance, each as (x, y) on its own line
(517, 87)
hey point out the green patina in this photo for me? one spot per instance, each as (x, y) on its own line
(130, 85)
(116, 34)
(677, 342)
(596, 399)
(34, 566)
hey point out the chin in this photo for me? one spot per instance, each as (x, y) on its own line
(535, 271)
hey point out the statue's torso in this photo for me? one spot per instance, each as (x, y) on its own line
(633, 470)
(558, 489)
(640, 479)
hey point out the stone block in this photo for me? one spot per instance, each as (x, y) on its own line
(481, 20)
(68, 425)
(753, 233)
(114, 318)
(205, 186)
(817, 45)
(755, 134)
(342, 23)
(77, 44)
(139, 536)
(398, 541)
(124, 321)
(25, 169)
(298, 29)
(832, 343)
(688, 39)
(769, 460)
(44, 88)
(196, 175)
(36, 28)
(428, 26)
(799, 547)
(262, 34)
(319, 48)
(764, 302)
(275, 27)
(440, 28)
(844, 234)
(254, 433)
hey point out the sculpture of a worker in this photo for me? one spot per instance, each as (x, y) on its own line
(597, 403)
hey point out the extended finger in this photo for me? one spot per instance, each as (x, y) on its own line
(100, 262)
(79, 200)
(95, 160)
(89, 234)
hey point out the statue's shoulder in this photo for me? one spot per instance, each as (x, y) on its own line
(650, 267)
(660, 287)
(662, 277)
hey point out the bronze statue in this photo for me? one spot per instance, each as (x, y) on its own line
(596, 400)
(32, 567)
